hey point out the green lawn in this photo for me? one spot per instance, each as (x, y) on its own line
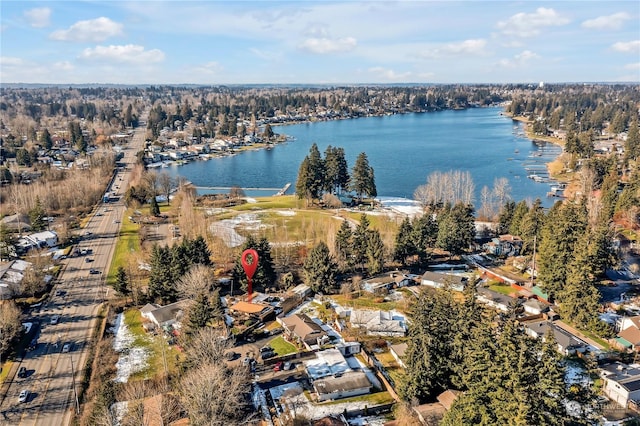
(282, 347)
(128, 242)
(502, 288)
(365, 301)
(371, 399)
(282, 202)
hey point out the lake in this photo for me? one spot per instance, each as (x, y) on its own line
(402, 149)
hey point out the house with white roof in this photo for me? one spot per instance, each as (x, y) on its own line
(378, 323)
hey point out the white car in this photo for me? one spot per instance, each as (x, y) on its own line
(55, 319)
(24, 395)
(66, 348)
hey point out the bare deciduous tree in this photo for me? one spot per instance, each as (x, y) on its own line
(449, 187)
(198, 280)
(10, 324)
(165, 183)
(208, 346)
(214, 394)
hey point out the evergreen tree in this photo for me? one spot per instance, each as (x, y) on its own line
(375, 252)
(424, 236)
(506, 216)
(319, 268)
(217, 309)
(121, 285)
(359, 246)
(265, 275)
(632, 144)
(562, 228)
(336, 170)
(304, 181)
(161, 283)
(363, 178)
(431, 331)
(521, 209)
(37, 217)
(180, 260)
(531, 225)
(456, 229)
(199, 314)
(199, 253)
(45, 139)
(404, 242)
(155, 208)
(343, 244)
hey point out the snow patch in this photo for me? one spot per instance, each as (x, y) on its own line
(226, 229)
(286, 212)
(132, 359)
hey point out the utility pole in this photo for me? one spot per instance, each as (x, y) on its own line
(73, 381)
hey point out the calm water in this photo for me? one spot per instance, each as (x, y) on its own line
(402, 149)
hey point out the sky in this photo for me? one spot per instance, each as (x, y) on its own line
(318, 42)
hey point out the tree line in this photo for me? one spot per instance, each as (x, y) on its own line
(330, 175)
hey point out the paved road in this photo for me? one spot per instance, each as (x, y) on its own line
(76, 298)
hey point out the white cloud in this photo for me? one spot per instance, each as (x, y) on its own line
(466, 47)
(519, 60)
(635, 66)
(129, 53)
(627, 46)
(38, 17)
(327, 45)
(389, 74)
(529, 24)
(95, 30)
(209, 68)
(9, 61)
(63, 66)
(610, 22)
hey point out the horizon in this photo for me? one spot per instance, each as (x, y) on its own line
(343, 43)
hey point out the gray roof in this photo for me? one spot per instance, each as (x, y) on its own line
(444, 278)
(170, 312)
(563, 338)
(348, 382)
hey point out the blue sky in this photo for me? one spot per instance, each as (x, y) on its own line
(311, 42)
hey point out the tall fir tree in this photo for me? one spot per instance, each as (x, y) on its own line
(404, 246)
(375, 252)
(319, 269)
(121, 285)
(363, 180)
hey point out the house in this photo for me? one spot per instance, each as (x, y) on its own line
(332, 420)
(11, 275)
(567, 343)
(329, 362)
(432, 414)
(350, 384)
(630, 338)
(625, 322)
(397, 352)
(300, 328)
(621, 382)
(379, 283)
(16, 222)
(495, 300)
(169, 315)
(301, 290)
(378, 323)
(504, 245)
(438, 280)
(260, 311)
(534, 307)
(38, 240)
(348, 348)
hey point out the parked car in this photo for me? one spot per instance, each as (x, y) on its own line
(66, 348)
(55, 319)
(24, 395)
(93, 271)
(266, 349)
(88, 259)
(267, 355)
(22, 372)
(276, 331)
(278, 366)
(287, 366)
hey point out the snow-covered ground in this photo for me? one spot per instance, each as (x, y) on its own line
(132, 359)
(403, 206)
(226, 229)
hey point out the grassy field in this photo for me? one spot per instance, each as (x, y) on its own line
(371, 399)
(366, 301)
(282, 347)
(502, 288)
(128, 242)
(153, 345)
